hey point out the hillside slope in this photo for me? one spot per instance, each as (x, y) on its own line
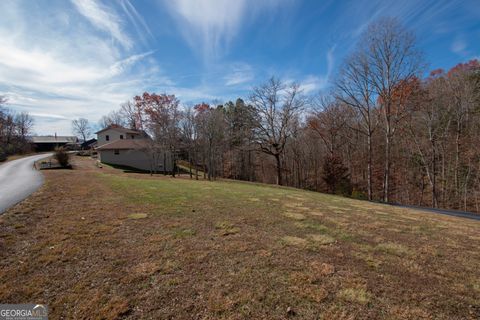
(101, 243)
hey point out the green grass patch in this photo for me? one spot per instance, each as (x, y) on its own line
(356, 295)
(313, 225)
(136, 216)
(334, 232)
(394, 248)
(321, 239)
(183, 233)
(294, 215)
(369, 259)
(225, 228)
(294, 241)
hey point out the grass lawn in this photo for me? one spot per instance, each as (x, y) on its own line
(100, 243)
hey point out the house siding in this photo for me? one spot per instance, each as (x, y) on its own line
(134, 158)
(113, 134)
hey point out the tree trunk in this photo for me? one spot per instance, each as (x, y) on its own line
(210, 165)
(204, 166)
(172, 156)
(369, 166)
(434, 176)
(457, 161)
(386, 177)
(250, 176)
(164, 163)
(279, 169)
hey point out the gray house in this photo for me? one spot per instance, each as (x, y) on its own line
(132, 148)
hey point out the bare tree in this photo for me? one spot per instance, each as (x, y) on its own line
(189, 137)
(130, 114)
(354, 88)
(239, 139)
(210, 123)
(81, 127)
(24, 124)
(14, 129)
(276, 108)
(328, 122)
(113, 118)
(393, 59)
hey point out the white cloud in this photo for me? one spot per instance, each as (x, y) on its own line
(48, 116)
(103, 19)
(459, 46)
(210, 25)
(137, 20)
(313, 83)
(57, 74)
(240, 74)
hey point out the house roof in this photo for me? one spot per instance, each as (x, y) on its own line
(89, 142)
(53, 139)
(125, 144)
(121, 129)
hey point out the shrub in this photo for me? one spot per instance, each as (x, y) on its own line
(62, 157)
(358, 194)
(3, 155)
(336, 176)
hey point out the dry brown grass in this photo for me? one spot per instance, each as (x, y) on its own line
(98, 243)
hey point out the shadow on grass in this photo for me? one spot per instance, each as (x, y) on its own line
(54, 167)
(128, 169)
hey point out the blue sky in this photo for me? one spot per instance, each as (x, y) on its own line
(61, 60)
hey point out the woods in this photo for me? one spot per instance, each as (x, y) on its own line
(14, 130)
(383, 131)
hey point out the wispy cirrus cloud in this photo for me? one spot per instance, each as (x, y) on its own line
(240, 73)
(104, 19)
(137, 20)
(428, 18)
(459, 46)
(315, 83)
(210, 25)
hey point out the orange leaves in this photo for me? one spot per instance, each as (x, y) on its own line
(157, 108)
(464, 67)
(201, 107)
(404, 91)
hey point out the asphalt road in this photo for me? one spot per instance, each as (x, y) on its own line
(18, 180)
(453, 213)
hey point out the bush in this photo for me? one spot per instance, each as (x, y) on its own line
(62, 157)
(357, 194)
(336, 176)
(3, 155)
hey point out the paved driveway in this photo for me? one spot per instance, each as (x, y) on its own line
(18, 180)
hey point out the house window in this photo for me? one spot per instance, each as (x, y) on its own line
(116, 151)
(121, 136)
(133, 136)
(107, 137)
